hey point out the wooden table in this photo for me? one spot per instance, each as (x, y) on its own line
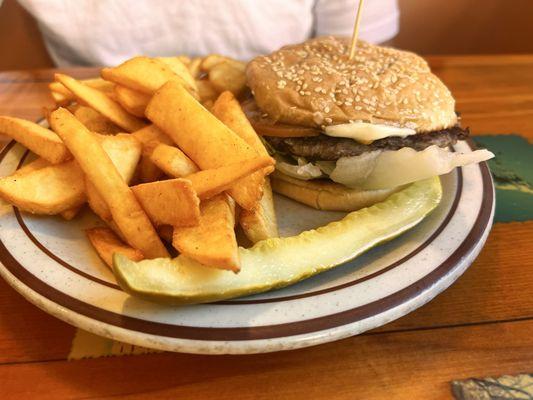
(482, 325)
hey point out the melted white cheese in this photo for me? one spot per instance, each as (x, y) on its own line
(366, 133)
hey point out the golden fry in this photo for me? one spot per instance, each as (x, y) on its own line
(95, 122)
(202, 137)
(213, 241)
(133, 102)
(150, 136)
(212, 60)
(100, 170)
(179, 69)
(33, 166)
(171, 202)
(98, 100)
(210, 182)
(172, 161)
(260, 223)
(145, 75)
(106, 243)
(229, 111)
(41, 141)
(46, 190)
(71, 213)
(206, 91)
(228, 76)
(194, 67)
(184, 59)
(97, 83)
(60, 99)
(124, 151)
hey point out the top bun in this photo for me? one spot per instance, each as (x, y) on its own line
(314, 84)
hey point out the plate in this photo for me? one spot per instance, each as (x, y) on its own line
(50, 262)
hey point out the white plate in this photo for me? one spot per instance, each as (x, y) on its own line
(50, 262)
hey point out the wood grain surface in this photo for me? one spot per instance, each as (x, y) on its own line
(480, 326)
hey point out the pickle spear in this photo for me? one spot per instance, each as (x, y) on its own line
(279, 262)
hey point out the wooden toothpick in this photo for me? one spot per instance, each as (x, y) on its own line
(356, 29)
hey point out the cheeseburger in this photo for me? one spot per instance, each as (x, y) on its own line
(348, 133)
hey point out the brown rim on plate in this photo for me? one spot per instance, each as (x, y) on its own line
(268, 331)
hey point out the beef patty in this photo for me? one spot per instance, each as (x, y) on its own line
(329, 148)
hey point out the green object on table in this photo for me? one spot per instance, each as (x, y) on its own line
(512, 169)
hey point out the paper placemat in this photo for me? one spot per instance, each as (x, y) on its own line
(504, 387)
(89, 345)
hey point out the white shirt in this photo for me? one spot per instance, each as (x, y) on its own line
(107, 32)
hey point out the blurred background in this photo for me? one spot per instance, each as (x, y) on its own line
(426, 27)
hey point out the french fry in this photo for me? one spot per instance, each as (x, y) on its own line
(172, 161)
(97, 83)
(106, 243)
(179, 69)
(133, 101)
(229, 111)
(36, 165)
(98, 100)
(100, 84)
(150, 136)
(194, 67)
(60, 99)
(33, 166)
(184, 59)
(171, 202)
(212, 60)
(47, 190)
(145, 75)
(212, 242)
(46, 113)
(59, 88)
(206, 91)
(261, 223)
(228, 76)
(202, 137)
(71, 213)
(41, 141)
(124, 151)
(126, 211)
(94, 121)
(96, 203)
(210, 182)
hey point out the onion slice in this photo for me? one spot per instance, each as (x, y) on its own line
(304, 170)
(388, 169)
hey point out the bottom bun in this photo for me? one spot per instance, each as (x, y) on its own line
(327, 195)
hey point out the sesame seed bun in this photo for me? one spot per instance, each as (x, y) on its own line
(327, 195)
(314, 84)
